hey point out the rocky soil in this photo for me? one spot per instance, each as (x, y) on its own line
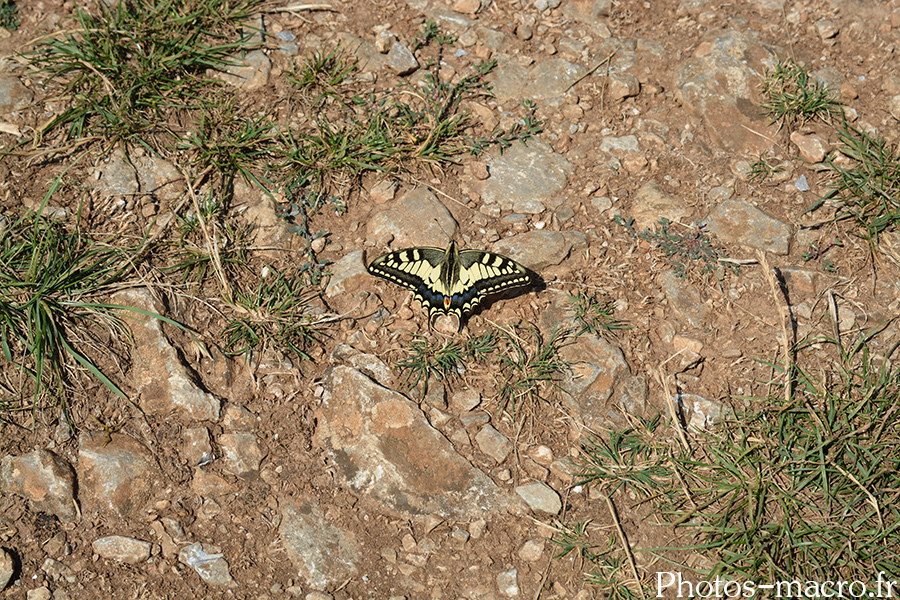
(328, 478)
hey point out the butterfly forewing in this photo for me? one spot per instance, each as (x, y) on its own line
(450, 281)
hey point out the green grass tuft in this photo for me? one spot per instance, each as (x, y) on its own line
(51, 282)
(869, 189)
(126, 69)
(794, 98)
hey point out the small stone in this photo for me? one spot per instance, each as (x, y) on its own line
(478, 169)
(123, 549)
(493, 443)
(508, 583)
(683, 343)
(827, 28)
(465, 401)
(41, 593)
(623, 85)
(894, 107)
(540, 497)
(197, 448)
(384, 41)
(474, 419)
(848, 91)
(542, 455)
(207, 562)
(401, 60)
(57, 570)
(7, 567)
(532, 550)
(477, 528)
(383, 191)
(44, 479)
(242, 454)
(460, 535)
(812, 149)
(469, 7)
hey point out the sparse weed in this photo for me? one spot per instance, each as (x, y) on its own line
(126, 69)
(428, 360)
(277, 314)
(794, 98)
(629, 458)
(323, 72)
(231, 145)
(689, 249)
(382, 132)
(796, 489)
(528, 367)
(196, 252)
(431, 32)
(869, 189)
(592, 316)
(9, 15)
(762, 169)
(815, 252)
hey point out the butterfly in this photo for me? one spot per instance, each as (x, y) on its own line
(451, 281)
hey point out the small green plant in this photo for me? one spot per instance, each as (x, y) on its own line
(277, 314)
(523, 130)
(387, 132)
(688, 248)
(573, 541)
(791, 96)
(593, 316)
(796, 488)
(324, 71)
(815, 252)
(127, 69)
(528, 366)
(427, 360)
(431, 32)
(208, 239)
(629, 458)
(869, 189)
(52, 281)
(230, 144)
(762, 169)
(9, 15)
(606, 567)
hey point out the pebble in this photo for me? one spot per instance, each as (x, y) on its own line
(208, 563)
(540, 497)
(44, 479)
(242, 454)
(401, 60)
(493, 443)
(465, 401)
(123, 549)
(532, 550)
(7, 567)
(812, 149)
(508, 583)
(827, 28)
(41, 593)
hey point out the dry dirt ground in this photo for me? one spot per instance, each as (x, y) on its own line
(740, 329)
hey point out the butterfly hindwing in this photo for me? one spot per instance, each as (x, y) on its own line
(450, 281)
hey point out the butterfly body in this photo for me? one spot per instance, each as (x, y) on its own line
(450, 281)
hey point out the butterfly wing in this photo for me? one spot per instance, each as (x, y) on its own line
(418, 269)
(481, 274)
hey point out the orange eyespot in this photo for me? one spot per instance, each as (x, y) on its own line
(446, 302)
